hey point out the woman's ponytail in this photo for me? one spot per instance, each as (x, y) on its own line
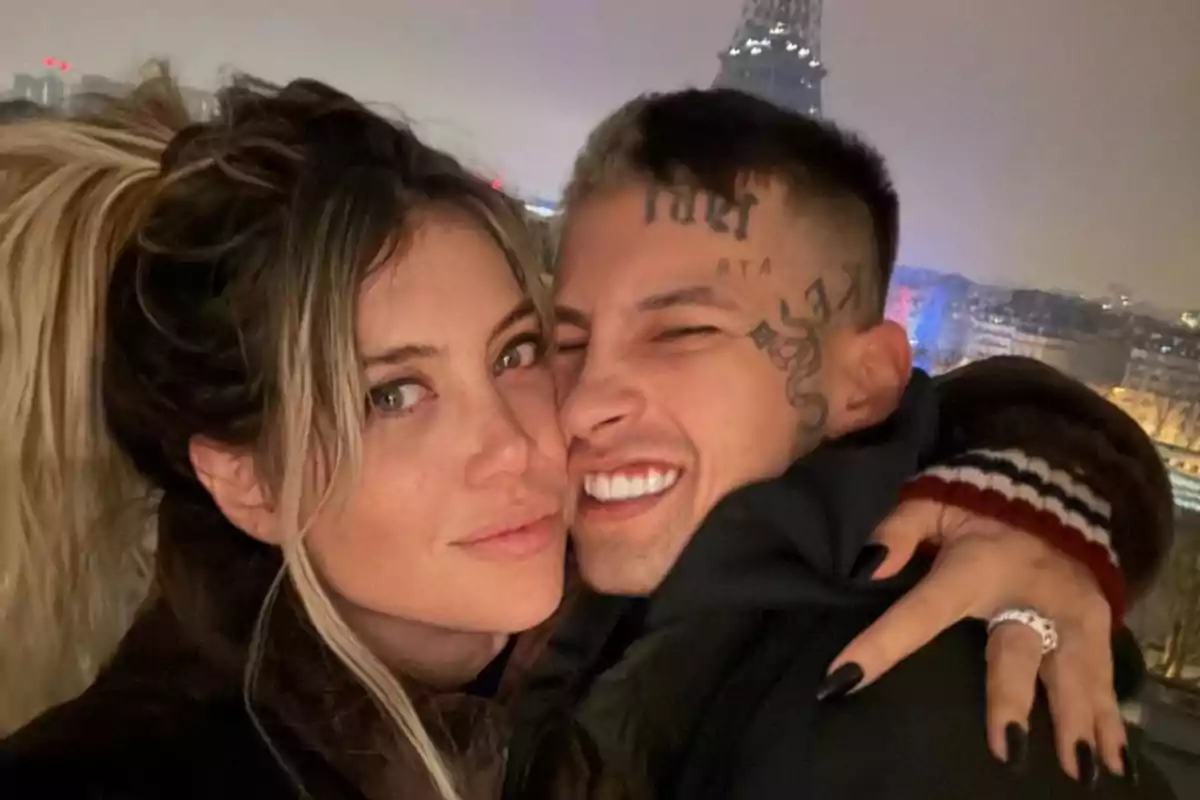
(76, 523)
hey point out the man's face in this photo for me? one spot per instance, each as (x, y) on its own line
(693, 362)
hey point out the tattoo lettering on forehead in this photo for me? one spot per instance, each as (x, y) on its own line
(744, 267)
(682, 208)
(721, 215)
(795, 349)
(719, 210)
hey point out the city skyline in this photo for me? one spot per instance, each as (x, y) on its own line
(56, 85)
(1147, 366)
(1032, 143)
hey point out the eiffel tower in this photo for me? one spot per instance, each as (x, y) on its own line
(776, 54)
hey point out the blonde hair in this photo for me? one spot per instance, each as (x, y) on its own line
(87, 193)
(75, 519)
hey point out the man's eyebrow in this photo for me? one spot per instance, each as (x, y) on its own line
(705, 296)
(572, 316)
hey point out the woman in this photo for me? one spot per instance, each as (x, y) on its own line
(319, 332)
(280, 253)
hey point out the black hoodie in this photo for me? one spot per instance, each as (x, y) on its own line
(708, 689)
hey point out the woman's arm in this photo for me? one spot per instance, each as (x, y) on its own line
(1020, 448)
(915, 734)
(1012, 403)
(918, 733)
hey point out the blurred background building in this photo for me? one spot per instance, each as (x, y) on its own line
(58, 88)
(776, 54)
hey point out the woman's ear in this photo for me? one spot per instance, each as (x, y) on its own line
(232, 479)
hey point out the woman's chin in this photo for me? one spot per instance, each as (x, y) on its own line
(524, 607)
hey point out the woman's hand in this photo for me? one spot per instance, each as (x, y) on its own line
(984, 567)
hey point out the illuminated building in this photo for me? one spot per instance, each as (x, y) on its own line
(998, 336)
(1161, 386)
(1164, 359)
(1164, 373)
(1095, 360)
(776, 54)
(932, 306)
(1078, 336)
(1170, 421)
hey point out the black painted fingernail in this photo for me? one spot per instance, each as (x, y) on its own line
(869, 559)
(1085, 758)
(1018, 746)
(1129, 766)
(840, 682)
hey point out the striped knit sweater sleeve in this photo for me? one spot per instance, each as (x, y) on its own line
(1028, 493)
(1020, 442)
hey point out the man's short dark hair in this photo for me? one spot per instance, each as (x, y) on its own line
(714, 138)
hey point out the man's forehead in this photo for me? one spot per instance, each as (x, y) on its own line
(645, 265)
(642, 240)
(752, 210)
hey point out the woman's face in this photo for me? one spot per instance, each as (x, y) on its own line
(457, 520)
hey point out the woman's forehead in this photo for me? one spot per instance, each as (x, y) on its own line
(450, 280)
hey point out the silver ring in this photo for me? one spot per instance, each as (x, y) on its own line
(1042, 625)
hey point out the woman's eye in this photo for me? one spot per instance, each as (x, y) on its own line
(672, 334)
(398, 397)
(522, 352)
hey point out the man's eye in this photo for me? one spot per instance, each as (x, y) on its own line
(672, 334)
(396, 398)
(567, 348)
(524, 351)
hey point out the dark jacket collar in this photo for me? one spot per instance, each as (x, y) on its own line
(794, 539)
(781, 542)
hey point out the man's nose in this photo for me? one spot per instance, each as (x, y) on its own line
(598, 402)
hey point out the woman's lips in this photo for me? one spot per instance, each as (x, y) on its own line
(521, 541)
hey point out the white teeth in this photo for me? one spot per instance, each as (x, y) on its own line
(610, 487)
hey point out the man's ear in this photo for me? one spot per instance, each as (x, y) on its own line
(231, 478)
(872, 371)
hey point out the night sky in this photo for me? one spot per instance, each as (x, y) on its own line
(1046, 142)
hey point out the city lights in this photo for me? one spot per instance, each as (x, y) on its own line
(775, 54)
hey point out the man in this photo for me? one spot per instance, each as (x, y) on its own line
(720, 284)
